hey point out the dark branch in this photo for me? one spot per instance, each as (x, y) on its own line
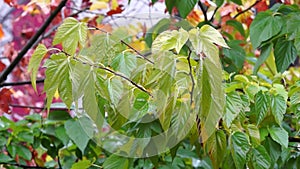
(37, 108)
(294, 139)
(247, 9)
(213, 15)
(23, 166)
(204, 11)
(20, 83)
(123, 42)
(191, 76)
(31, 42)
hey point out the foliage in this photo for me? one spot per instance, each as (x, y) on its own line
(183, 95)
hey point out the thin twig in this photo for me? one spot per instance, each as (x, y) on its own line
(204, 11)
(123, 42)
(247, 9)
(32, 41)
(213, 15)
(37, 108)
(20, 83)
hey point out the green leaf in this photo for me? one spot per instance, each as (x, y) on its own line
(209, 78)
(115, 88)
(115, 161)
(61, 134)
(265, 53)
(279, 135)
(239, 2)
(237, 25)
(26, 136)
(185, 6)
(216, 145)
(278, 108)
(204, 37)
(265, 26)
(5, 158)
(82, 164)
(253, 132)
(260, 158)
(58, 115)
(261, 106)
(274, 150)
(78, 134)
(236, 55)
(90, 104)
(70, 34)
(234, 106)
(23, 152)
(57, 68)
(170, 5)
(239, 149)
(34, 63)
(285, 53)
(170, 40)
(219, 3)
(124, 62)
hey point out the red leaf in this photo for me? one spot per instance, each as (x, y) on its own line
(2, 66)
(5, 99)
(261, 6)
(119, 9)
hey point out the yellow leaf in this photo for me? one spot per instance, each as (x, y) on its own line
(56, 95)
(114, 4)
(138, 45)
(98, 5)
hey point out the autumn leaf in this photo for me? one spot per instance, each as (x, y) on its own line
(118, 10)
(1, 32)
(2, 66)
(5, 99)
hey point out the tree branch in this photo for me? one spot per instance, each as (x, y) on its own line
(204, 11)
(294, 139)
(247, 9)
(30, 43)
(20, 83)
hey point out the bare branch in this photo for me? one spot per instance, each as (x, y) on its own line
(204, 11)
(31, 42)
(20, 83)
(247, 9)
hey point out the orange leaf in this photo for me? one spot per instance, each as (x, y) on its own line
(1, 32)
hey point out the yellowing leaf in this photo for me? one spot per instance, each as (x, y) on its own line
(98, 5)
(35, 61)
(205, 36)
(170, 40)
(70, 34)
